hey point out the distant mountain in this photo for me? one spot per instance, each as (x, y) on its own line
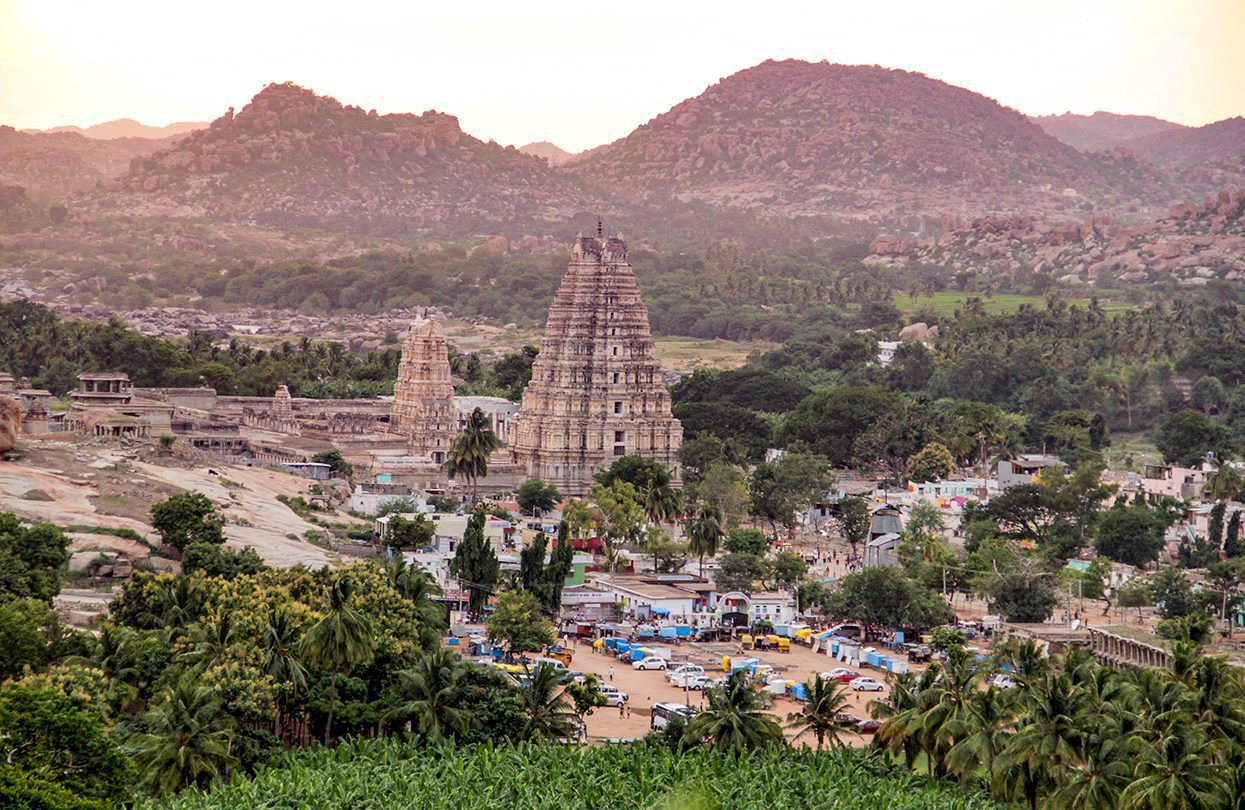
(127, 128)
(294, 159)
(52, 166)
(1102, 130)
(1189, 146)
(552, 153)
(797, 139)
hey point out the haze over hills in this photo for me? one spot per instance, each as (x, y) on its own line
(53, 166)
(1102, 130)
(552, 153)
(778, 152)
(126, 128)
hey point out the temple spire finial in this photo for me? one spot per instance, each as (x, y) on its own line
(600, 228)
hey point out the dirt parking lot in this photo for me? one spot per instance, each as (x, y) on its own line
(645, 688)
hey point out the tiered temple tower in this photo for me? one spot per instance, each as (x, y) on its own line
(596, 392)
(423, 396)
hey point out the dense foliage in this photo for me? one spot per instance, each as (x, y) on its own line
(387, 774)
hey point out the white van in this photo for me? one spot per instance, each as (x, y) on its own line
(552, 662)
(662, 712)
(684, 669)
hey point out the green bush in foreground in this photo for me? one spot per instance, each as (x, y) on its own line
(391, 774)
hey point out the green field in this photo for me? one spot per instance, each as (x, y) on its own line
(945, 303)
(1131, 451)
(395, 775)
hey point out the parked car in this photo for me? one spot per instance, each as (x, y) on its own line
(700, 683)
(1002, 680)
(687, 680)
(840, 674)
(571, 676)
(548, 662)
(652, 662)
(684, 669)
(613, 695)
(868, 726)
(866, 684)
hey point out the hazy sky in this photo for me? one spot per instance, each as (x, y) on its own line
(585, 73)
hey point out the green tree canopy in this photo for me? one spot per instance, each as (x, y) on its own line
(187, 518)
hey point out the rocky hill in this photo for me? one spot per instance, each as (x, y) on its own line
(552, 153)
(51, 166)
(127, 128)
(1190, 146)
(294, 159)
(1193, 244)
(793, 138)
(1102, 130)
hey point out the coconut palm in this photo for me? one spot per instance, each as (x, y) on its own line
(549, 712)
(981, 733)
(946, 707)
(900, 713)
(1179, 770)
(339, 642)
(211, 641)
(189, 739)
(470, 451)
(430, 693)
(734, 720)
(418, 586)
(181, 602)
(662, 502)
(1049, 736)
(704, 533)
(281, 661)
(826, 700)
(1105, 769)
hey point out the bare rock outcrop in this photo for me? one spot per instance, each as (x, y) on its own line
(10, 424)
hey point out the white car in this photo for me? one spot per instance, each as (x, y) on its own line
(684, 669)
(613, 696)
(690, 680)
(866, 684)
(652, 662)
(1002, 680)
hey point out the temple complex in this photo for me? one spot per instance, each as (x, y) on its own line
(597, 391)
(423, 396)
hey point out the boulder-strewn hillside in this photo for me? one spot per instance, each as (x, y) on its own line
(1193, 244)
(551, 152)
(1189, 146)
(796, 138)
(1102, 130)
(292, 159)
(127, 128)
(51, 166)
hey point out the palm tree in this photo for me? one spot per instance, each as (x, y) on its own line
(734, 720)
(1223, 483)
(900, 711)
(981, 733)
(704, 533)
(212, 639)
(946, 706)
(418, 586)
(181, 602)
(1178, 770)
(471, 449)
(662, 503)
(281, 661)
(431, 691)
(1105, 770)
(189, 739)
(826, 700)
(1049, 735)
(339, 642)
(549, 712)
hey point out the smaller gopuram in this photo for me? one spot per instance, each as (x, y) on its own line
(423, 396)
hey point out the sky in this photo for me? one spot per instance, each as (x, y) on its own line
(585, 73)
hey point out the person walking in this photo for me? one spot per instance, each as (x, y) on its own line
(611, 674)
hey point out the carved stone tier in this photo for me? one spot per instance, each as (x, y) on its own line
(423, 396)
(596, 392)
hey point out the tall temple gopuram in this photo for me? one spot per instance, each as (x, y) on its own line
(423, 396)
(596, 392)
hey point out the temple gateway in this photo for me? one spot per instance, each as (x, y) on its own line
(597, 391)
